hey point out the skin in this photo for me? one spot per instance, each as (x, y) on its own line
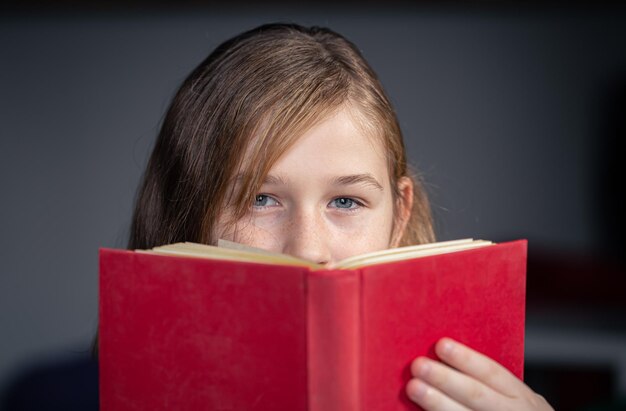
(467, 380)
(322, 205)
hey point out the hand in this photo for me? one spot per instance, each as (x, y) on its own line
(468, 381)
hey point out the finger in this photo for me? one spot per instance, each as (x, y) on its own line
(431, 399)
(479, 366)
(461, 388)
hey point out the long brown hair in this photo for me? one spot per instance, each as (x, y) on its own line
(255, 94)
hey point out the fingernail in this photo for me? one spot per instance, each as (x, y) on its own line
(447, 346)
(418, 390)
(423, 368)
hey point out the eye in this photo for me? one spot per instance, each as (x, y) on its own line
(345, 203)
(262, 200)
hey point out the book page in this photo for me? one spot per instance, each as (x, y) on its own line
(243, 253)
(231, 251)
(405, 253)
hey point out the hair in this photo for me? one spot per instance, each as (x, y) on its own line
(255, 94)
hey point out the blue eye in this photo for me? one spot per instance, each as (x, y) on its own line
(345, 203)
(262, 200)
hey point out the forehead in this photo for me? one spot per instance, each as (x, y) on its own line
(338, 144)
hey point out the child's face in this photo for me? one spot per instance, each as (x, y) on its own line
(327, 198)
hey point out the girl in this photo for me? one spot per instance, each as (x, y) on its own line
(284, 139)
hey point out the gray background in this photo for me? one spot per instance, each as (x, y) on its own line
(501, 110)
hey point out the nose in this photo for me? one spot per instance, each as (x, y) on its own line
(307, 237)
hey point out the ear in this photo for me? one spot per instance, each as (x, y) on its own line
(404, 205)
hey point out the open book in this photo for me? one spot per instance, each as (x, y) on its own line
(228, 250)
(190, 326)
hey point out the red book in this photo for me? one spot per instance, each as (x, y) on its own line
(178, 332)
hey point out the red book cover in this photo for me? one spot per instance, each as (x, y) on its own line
(189, 333)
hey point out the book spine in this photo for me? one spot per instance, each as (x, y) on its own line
(333, 340)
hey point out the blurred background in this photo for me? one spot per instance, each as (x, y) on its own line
(514, 113)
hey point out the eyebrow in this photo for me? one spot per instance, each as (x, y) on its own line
(269, 179)
(352, 179)
(364, 179)
(274, 180)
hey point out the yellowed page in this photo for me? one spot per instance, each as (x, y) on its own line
(228, 250)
